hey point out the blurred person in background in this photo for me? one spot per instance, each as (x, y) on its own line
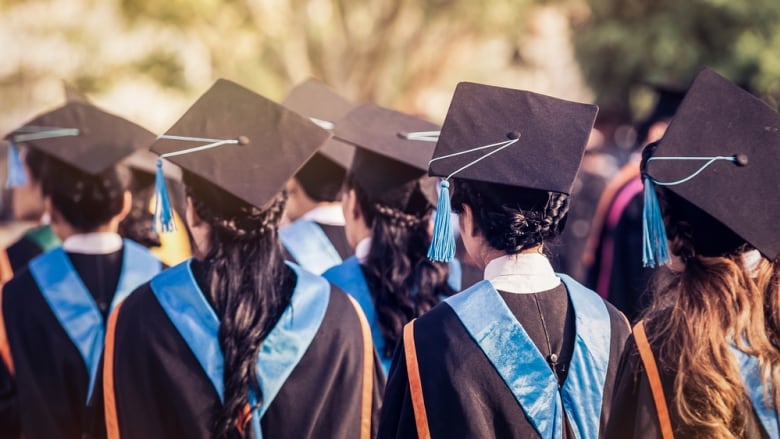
(53, 312)
(704, 360)
(388, 203)
(314, 238)
(612, 255)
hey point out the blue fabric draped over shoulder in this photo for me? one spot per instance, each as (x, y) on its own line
(526, 372)
(186, 305)
(73, 304)
(350, 278)
(309, 245)
(751, 377)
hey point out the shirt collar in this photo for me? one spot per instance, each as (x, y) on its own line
(522, 273)
(93, 243)
(328, 214)
(362, 249)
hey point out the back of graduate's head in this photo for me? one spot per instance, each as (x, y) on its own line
(319, 181)
(405, 282)
(510, 219)
(138, 225)
(86, 202)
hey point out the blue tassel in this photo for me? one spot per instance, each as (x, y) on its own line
(163, 212)
(16, 175)
(655, 249)
(442, 247)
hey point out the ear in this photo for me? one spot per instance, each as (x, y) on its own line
(127, 205)
(351, 207)
(191, 216)
(466, 220)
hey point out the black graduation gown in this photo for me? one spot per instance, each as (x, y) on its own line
(464, 395)
(633, 413)
(161, 390)
(336, 236)
(47, 396)
(26, 248)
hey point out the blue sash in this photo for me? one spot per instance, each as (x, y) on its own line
(309, 245)
(74, 306)
(349, 277)
(526, 372)
(751, 378)
(197, 323)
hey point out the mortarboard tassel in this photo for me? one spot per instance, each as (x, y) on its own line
(16, 175)
(655, 250)
(442, 247)
(163, 212)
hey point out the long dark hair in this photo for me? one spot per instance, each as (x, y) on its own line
(512, 219)
(246, 277)
(138, 225)
(404, 283)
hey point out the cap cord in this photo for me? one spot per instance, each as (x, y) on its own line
(163, 211)
(655, 247)
(442, 247)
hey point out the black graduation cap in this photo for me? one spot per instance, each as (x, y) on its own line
(391, 157)
(721, 153)
(243, 143)
(83, 136)
(508, 137)
(543, 138)
(323, 175)
(325, 107)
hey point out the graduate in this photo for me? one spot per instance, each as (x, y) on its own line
(388, 203)
(704, 360)
(52, 323)
(27, 169)
(236, 342)
(315, 238)
(525, 352)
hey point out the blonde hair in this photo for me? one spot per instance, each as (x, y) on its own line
(696, 314)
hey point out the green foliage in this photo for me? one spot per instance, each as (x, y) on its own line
(628, 42)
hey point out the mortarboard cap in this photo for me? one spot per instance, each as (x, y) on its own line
(549, 136)
(239, 141)
(323, 175)
(509, 137)
(324, 107)
(721, 153)
(389, 164)
(83, 136)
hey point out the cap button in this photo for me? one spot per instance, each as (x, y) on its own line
(512, 135)
(243, 140)
(741, 159)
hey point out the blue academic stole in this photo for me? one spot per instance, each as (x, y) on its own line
(349, 277)
(186, 305)
(309, 245)
(73, 305)
(525, 371)
(751, 378)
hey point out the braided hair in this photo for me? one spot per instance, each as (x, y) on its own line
(404, 283)
(247, 282)
(511, 219)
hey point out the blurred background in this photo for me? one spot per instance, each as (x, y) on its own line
(147, 60)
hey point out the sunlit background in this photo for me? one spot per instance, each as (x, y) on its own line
(148, 59)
